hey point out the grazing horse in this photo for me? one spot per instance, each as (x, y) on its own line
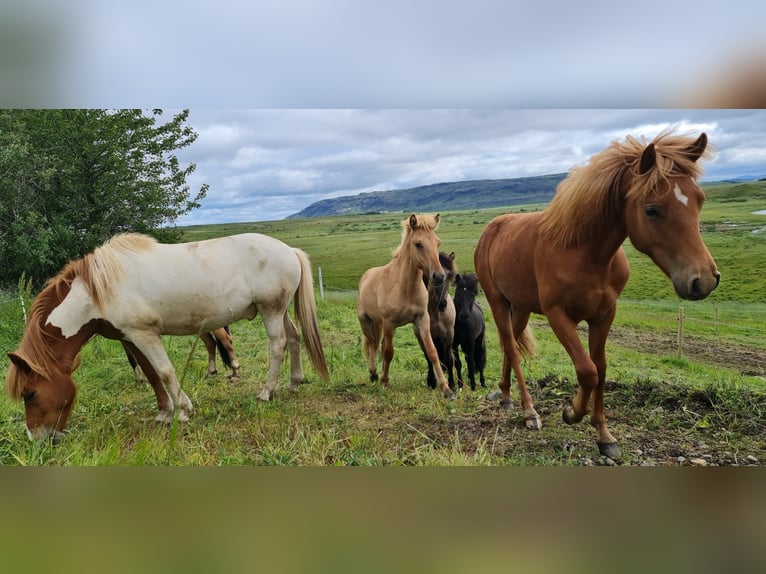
(469, 330)
(567, 261)
(220, 338)
(394, 295)
(441, 313)
(134, 289)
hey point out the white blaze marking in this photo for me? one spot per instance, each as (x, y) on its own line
(680, 196)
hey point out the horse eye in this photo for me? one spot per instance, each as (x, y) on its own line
(652, 212)
(28, 395)
(419, 245)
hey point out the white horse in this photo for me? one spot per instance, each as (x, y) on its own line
(134, 289)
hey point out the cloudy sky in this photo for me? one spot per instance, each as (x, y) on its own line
(299, 100)
(266, 164)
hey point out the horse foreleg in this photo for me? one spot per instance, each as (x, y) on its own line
(597, 334)
(456, 362)
(423, 329)
(151, 356)
(294, 347)
(587, 374)
(275, 329)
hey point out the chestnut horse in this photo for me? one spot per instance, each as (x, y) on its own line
(567, 262)
(394, 295)
(134, 289)
(220, 338)
(441, 313)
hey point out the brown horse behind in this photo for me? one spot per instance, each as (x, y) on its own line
(394, 295)
(567, 262)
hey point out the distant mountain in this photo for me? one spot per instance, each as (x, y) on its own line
(451, 196)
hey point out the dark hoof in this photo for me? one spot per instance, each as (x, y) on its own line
(610, 449)
(494, 395)
(450, 395)
(569, 416)
(373, 377)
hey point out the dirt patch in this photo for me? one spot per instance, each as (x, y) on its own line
(749, 361)
(656, 424)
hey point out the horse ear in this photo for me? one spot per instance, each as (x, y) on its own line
(413, 221)
(452, 255)
(437, 217)
(696, 150)
(76, 362)
(20, 363)
(648, 159)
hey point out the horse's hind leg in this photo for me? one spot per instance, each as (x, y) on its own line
(226, 349)
(294, 347)
(209, 342)
(387, 352)
(371, 333)
(275, 329)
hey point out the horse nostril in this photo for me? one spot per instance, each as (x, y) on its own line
(694, 288)
(437, 279)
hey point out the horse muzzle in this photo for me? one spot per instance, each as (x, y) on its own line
(698, 287)
(437, 279)
(42, 433)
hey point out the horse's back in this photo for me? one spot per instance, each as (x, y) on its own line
(206, 284)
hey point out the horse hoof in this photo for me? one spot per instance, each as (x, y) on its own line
(494, 395)
(183, 417)
(233, 378)
(569, 416)
(164, 417)
(450, 395)
(373, 377)
(533, 422)
(610, 449)
(264, 395)
(211, 374)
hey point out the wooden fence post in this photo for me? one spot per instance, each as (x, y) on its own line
(680, 331)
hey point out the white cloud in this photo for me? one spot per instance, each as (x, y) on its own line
(267, 164)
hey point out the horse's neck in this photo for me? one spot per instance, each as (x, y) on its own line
(409, 276)
(72, 322)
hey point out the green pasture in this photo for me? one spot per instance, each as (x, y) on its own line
(348, 421)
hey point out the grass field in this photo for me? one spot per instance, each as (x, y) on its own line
(704, 405)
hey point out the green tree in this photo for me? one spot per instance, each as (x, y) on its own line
(70, 179)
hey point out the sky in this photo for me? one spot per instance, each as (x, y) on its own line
(266, 164)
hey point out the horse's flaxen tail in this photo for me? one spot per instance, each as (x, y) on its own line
(306, 314)
(527, 342)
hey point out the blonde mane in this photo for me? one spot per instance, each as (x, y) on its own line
(98, 271)
(591, 193)
(424, 221)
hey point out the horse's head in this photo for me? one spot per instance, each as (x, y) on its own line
(422, 246)
(47, 401)
(662, 208)
(437, 294)
(466, 291)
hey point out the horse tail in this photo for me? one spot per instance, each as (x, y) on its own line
(222, 350)
(527, 342)
(306, 313)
